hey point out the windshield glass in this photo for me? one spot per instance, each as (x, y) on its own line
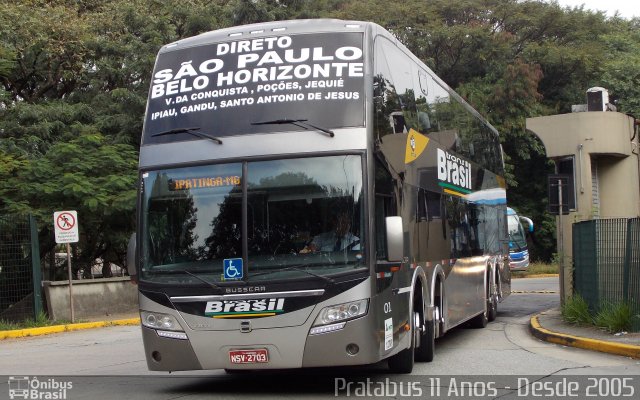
(304, 218)
(517, 240)
(224, 87)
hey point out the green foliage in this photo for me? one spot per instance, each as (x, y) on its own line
(536, 269)
(576, 311)
(615, 317)
(48, 48)
(74, 77)
(86, 174)
(39, 321)
(621, 72)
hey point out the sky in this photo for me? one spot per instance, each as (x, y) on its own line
(627, 8)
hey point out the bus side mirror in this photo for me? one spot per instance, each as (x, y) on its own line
(395, 238)
(131, 256)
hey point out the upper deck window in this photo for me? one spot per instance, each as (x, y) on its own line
(224, 87)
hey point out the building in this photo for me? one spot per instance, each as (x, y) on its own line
(599, 149)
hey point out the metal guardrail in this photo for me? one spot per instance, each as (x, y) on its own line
(606, 256)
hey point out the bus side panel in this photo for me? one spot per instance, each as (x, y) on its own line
(464, 288)
(392, 309)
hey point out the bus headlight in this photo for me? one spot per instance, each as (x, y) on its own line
(159, 321)
(342, 312)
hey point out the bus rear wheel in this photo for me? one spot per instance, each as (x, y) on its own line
(481, 320)
(425, 343)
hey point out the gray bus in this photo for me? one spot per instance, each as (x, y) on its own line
(311, 194)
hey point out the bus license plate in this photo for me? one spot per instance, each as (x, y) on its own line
(253, 356)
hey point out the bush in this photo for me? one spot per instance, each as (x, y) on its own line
(615, 317)
(576, 311)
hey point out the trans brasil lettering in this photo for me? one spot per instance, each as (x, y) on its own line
(244, 308)
(454, 170)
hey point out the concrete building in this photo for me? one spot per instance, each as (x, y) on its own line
(600, 149)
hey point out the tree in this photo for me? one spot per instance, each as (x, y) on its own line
(87, 174)
(47, 45)
(71, 70)
(621, 69)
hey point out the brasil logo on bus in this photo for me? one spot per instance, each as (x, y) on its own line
(454, 174)
(253, 308)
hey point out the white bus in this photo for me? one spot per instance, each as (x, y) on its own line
(311, 194)
(518, 248)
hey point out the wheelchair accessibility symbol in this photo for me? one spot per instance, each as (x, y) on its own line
(233, 268)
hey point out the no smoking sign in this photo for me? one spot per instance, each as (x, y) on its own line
(65, 224)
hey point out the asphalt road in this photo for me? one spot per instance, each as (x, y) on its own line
(109, 363)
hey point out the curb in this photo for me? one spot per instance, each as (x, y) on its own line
(47, 330)
(535, 276)
(546, 335)
(534, 291)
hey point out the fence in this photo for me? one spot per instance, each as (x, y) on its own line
(20, 277)
(606, 255)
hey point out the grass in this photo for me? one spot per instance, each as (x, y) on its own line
(536, 269)
(576, 311)
(612, 317)
(615, 317)
(39, 321)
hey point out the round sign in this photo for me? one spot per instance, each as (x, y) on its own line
(66, 221)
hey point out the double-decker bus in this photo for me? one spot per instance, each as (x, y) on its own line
(311, 194)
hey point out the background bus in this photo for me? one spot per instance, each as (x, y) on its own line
(259, 141)
(518, 249)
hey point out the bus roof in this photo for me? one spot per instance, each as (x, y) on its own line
(270, 28)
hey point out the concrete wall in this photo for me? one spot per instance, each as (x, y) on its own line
(599, 133)
(92, 298)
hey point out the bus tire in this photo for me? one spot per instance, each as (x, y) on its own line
(479, 321)
(425, 351)
(402, 362)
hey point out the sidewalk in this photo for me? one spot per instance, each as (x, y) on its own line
(550, 327)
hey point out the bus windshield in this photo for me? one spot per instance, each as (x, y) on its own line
(304, 217)
(517, 238)
(228, 88)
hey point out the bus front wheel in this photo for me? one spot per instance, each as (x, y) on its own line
(402, 363)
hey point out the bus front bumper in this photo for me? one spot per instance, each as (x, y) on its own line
(289, 347)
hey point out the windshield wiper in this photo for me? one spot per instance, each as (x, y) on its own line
(326, 278)
(302, 123)
(184, 271)
(192, 131)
